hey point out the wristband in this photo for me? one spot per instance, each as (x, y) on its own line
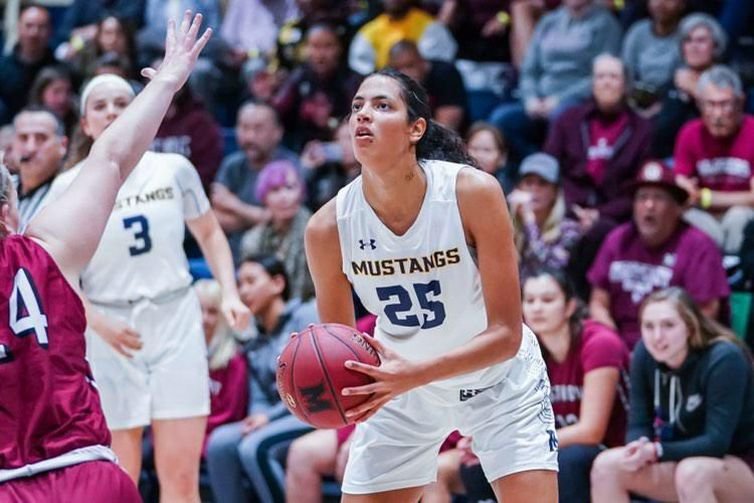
(503, 18)
(705, 198)
(658, 451)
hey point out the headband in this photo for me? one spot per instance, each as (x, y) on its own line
(105, 78)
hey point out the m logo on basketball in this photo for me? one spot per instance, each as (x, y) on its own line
(313, 398)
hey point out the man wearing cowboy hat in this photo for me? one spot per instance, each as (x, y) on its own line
(657, 249)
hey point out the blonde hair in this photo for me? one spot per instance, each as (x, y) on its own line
(223, 346)
(550, 231)
(6, 186)
(703, 330)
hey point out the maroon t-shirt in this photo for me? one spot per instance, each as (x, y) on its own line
(629, 271)
(49, 404)
(228, 394)
(602, 137)
(597, 347)
(723, 164)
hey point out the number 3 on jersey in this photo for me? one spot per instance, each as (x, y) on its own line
(397, 312)
(143, 241)
(26, 313)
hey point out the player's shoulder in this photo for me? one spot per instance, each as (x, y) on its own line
(473, 184)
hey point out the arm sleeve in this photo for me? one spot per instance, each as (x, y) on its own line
(723, 404)
(630, 52)
(437, 43)
(603, 348)
(531, 69)
(598, 273)
(705, 278)
(640, 415)
(195, 201)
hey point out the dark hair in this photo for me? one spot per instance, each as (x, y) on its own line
(44, 78)
(497, 136)
(128, 30)
(39, 108)
(575, 322)
(33, 5)
(438, 143)
(273, 266)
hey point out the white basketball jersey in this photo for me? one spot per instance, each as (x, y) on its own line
(141, 252)
(424, 286)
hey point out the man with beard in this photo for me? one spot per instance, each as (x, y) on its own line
(654, 251)
(258, 133)
(714, 156)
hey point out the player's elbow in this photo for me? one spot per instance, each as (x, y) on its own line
(505, 343)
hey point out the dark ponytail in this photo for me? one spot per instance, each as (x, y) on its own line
(438, 143)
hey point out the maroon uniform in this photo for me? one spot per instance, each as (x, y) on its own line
(50, 413)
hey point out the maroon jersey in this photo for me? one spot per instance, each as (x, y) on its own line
(48, 402)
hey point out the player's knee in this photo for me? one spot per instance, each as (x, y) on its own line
(300, 454)
(182, 482)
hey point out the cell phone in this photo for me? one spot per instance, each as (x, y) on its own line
(332, 151)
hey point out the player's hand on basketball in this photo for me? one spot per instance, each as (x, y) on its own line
(394, 376)
(235, 312)
(182, 48)
(254, 422)
(122, 337)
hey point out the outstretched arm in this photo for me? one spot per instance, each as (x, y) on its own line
(71, 227)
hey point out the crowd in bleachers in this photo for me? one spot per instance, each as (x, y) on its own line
(619, 131)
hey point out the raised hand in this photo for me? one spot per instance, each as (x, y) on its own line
(182, 49)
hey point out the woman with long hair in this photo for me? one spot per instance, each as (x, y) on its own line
(425, 240)
(691, 423)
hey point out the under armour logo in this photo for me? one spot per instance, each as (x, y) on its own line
(371, 243)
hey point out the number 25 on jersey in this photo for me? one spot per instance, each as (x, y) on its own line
(401, 311)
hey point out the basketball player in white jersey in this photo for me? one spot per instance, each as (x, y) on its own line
(427, 246)
(145, 342)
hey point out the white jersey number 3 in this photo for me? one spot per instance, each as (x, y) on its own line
(26, 315)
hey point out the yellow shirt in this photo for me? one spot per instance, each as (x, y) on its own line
(383, 32)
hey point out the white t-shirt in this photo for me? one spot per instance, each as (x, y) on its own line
(141, 252)
(425, 285)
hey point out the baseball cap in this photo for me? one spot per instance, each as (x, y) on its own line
(655, 173)
(543, 165)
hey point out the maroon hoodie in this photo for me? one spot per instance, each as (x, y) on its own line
(568, 141)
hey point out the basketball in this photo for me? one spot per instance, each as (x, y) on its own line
(311, 373)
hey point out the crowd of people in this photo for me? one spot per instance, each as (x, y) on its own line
(619, 133)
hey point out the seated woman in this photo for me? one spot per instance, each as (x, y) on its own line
(281, 190)
(543, 234)
(587, 365)
(487, 146)
(247, 449)
(691, 425)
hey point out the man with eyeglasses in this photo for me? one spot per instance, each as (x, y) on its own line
(714, 159)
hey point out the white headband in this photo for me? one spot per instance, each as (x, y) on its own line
(105, 78)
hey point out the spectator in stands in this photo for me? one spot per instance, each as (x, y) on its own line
(281, 190)
(703, 44)
(113, 36)
(83, 17)
(555, 74)
(691, 424)
(601, 146)
(441, 80)
(542, 233)
(246, 449)
(400, 21)
(190, 130)
(53, 89)
(228, 376)
(291, 38)
(317, 94)
(654, 251)
(266, 17)
(258, 134)
(487, 146)
(39, 146)
(651, 52)
(714, 159)
(19, 68)
(482, 29)
(328, 167)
